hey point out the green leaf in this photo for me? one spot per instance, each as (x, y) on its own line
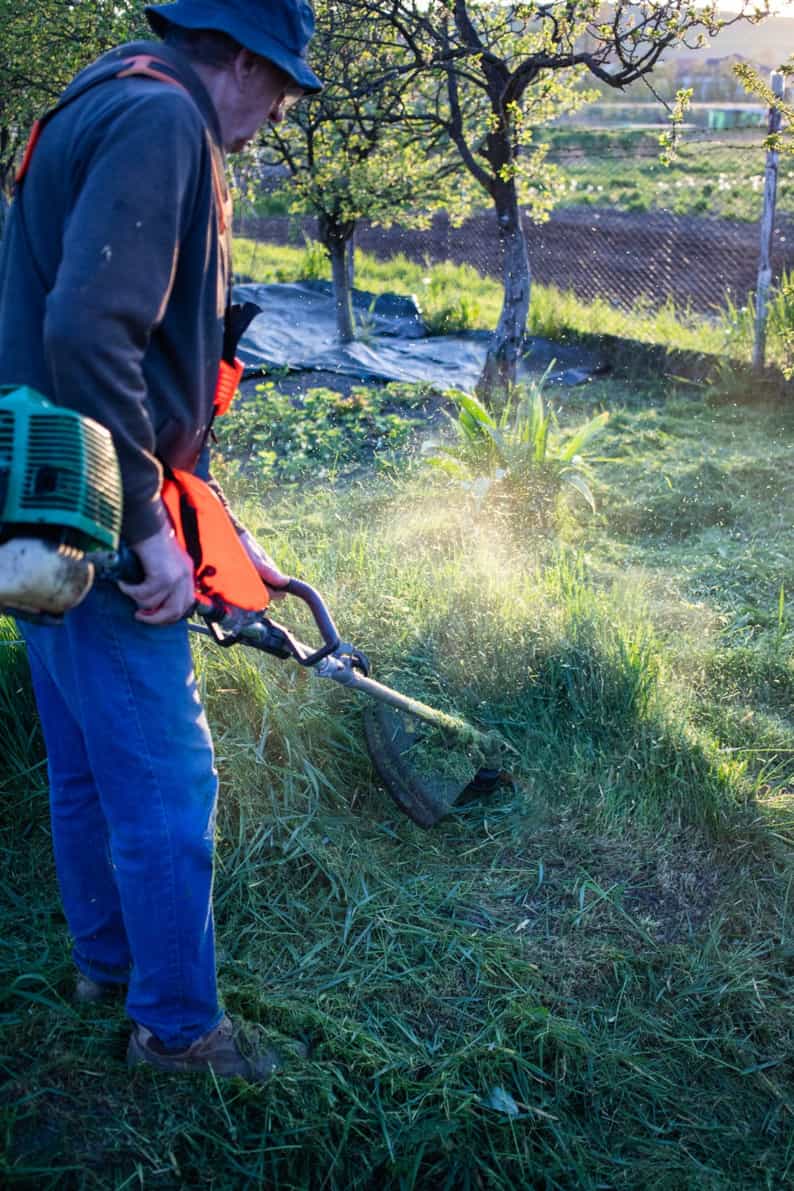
(475, 409)
(584, 435)
(577, 481)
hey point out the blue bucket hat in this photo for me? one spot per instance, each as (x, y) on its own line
(279, 30)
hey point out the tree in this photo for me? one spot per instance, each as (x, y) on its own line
(780, 140)
(502, 69)
(43, 43)
(366, 147)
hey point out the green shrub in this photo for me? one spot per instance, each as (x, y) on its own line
(518, 459)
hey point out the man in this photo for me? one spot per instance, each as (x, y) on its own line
(114, 280)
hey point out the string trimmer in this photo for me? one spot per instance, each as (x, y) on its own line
(60, 518)
(426, 773)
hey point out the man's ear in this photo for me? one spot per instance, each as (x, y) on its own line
(245, 64)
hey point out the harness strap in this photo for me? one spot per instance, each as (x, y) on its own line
(138, 66)
(143, 65)
(223, 201)
(229, 377)
(35, 133)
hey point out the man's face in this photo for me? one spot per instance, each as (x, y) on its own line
(262, 94)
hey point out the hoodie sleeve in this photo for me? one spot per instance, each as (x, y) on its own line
(140, 173)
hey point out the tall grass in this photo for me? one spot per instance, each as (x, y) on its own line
(20, 739)
(581, 983)
(569, 673)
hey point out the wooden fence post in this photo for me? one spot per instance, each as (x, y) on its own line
(777, 83)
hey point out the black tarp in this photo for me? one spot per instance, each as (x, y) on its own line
(297, 330)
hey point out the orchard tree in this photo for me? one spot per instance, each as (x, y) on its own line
(503, 69)
(367, 147)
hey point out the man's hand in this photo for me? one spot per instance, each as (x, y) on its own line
(167, 592)
(273, 578)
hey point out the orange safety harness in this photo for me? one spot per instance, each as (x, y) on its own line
(223, 570)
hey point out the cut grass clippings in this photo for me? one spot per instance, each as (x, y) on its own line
(585, 982)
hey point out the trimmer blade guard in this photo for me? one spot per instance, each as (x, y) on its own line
(426, 773)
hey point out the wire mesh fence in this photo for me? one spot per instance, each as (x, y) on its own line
(628, 230)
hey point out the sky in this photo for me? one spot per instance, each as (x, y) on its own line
(778, 8)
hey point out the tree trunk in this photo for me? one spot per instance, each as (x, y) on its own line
(343, 294)
(501, 363)
(336, 238)
(351, 263)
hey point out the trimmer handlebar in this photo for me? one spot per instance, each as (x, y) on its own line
(323, 620)
(128, 568)
(259, 631)
(231, 626)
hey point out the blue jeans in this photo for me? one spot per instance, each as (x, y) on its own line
(133, 791)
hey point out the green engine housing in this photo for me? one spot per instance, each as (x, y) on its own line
(59, 475)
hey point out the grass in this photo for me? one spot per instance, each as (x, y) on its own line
(713, 175)
(583, 983)
(458, 298)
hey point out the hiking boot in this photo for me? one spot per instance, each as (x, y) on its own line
(229, 1050)
(89, 992)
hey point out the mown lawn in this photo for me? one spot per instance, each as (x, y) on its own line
(585, 982)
